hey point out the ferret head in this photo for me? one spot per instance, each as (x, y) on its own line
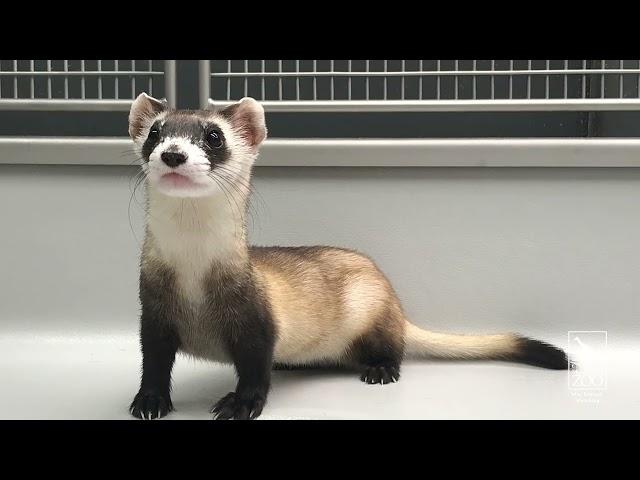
(196, 153)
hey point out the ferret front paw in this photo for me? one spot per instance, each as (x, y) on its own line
(149, 405)
(232, 406)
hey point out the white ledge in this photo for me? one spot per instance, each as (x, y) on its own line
(472, 152)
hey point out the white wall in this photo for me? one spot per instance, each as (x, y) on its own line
(541, 251)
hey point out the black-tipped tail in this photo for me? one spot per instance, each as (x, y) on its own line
(541, 354)
(507, 346)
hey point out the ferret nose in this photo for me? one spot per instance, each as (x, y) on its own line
(173, 159)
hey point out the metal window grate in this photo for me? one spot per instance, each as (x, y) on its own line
(82, 84)
(424, 85)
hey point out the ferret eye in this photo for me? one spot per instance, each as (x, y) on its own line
(214, 139)
(154, 133)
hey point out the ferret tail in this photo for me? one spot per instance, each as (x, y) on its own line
(510, 347)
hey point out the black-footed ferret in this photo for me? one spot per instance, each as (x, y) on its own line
(205, 292)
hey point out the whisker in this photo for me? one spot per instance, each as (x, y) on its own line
(247, 183)
(222, 185)
(140, 177)
(253, 209)
(245, 194)
(226, 195)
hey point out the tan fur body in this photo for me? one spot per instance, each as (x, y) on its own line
(322, 300)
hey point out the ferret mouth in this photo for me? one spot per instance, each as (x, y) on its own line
(181, 184)
(177, 180)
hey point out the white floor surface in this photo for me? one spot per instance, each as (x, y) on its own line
(96, 377)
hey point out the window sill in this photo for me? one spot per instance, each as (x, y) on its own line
(464, 152)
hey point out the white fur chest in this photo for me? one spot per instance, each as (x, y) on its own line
(190, 235)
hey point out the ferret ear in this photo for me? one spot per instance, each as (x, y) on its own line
(247, 118)
(143, 108)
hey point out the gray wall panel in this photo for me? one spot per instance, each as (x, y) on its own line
(535, 250)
